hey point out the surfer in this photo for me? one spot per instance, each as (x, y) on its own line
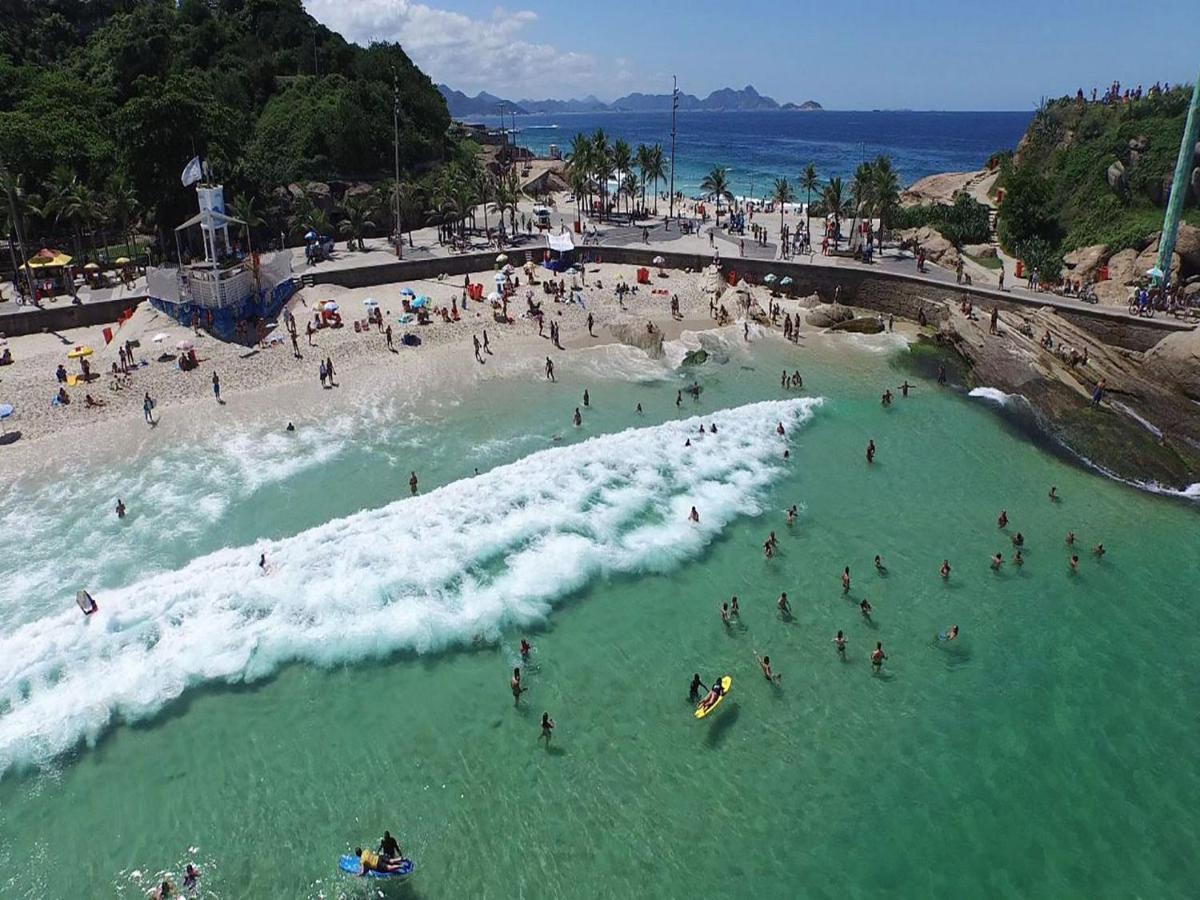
(515, 684)
(547, 727)
(734, 609)
(694, 515)
(694, 690)
(846, 580)
(785, 608)
(526, 649)
(390, 847)
(1002, 520)
(945, 570)
(865, 608)
(412, 482)
(870, 451)
(877, 655)
(577, 418)
(764, 663)
(839, 644)
(120, 509)
(374, 862)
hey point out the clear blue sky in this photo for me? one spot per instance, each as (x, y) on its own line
(940, 54)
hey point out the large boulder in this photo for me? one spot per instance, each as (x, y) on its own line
(1116, 177)
(937, 248)
(636, 334)
(827, 315)
(1148, 259)
(1084, 261)
(981, 251)
(860, 325)
(809, 302)
(1175, 362)
(1121, 269)
(1187, 245)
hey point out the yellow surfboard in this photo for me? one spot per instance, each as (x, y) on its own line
(703, 710)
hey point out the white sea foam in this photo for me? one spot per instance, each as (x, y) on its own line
(995, 395)
(419, 574)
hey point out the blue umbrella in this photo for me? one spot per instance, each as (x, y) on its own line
(5, 411)
(419, 302)
(408, 292)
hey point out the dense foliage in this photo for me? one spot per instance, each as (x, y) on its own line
(129, 90)
(1056, 189)
(963, 222)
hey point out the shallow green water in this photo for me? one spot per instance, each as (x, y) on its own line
(1046, 752)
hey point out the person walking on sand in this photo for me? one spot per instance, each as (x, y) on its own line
(296, 344)
(216, 383)
(1001, 276)
(329, 369)
(475, 340)
(148, 408)
(487, 348)
(549, 369)
(308, 331)
(994, 323)
(387, 334)
(324, 373)
(547, 728)
(515, 684)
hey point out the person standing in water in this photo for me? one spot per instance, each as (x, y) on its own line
(865, 608)
(791, 515)
(120, 509)
(577, 418)
(905, 388)
(526, 649)
(1053, 494)
(839, 644)
(846, 580)
(785, 608)
(412, 482)
(1074, 563)
(941, 374)
(870, 451)
(878, 656)
(517, 689)
(639, 409)
(734, 609)
(1002, 521)
(879, 566)
(997, 562)
(725, 614)
(694, 515)
(696, 686)
(945, 570)
(678, 398)
(547, 727)
(587, 400)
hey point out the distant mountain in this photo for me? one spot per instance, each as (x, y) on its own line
(724, 100)
(482, 104)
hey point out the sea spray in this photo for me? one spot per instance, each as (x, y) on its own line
(421, 574)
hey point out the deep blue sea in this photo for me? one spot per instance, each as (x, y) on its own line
(758, 147)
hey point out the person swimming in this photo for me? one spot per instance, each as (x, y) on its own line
(949, 634)
(839, 644)
(1074, 563)
(1002, 520)
(945, 570)
(846, 580)
(879, 566)
(526, 649)
(1098, 550)
(1018, 559)
(791, 515)
(191, 877)
(764, 663)
(1070, 538)
(870, 451)
(694, 689)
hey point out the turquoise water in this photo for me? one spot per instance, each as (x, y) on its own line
(260, 725)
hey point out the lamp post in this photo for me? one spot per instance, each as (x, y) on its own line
(396, 147)
(674, 107)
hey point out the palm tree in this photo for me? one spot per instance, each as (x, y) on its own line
(580, 166)
(782, 194)
(356, 209)
(835, 203)
(25, 203)
(307, 216)
(886, 189)
(716, 186)
(69, 202)
(642, 159)
(242, 207)
(809, 182)
(122, 206)
(602, 164)
(862, 194)
(629, 187)
(508, 197)
(622, 158)
(411, 204)
(656, 169)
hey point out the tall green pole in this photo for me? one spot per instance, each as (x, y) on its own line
(1180, 186)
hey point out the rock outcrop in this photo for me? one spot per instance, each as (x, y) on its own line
(1174, 362)
(937, 248)
(860, 325)
(1084, 262)
(827, 315)
(1116, 177)
(636, 334)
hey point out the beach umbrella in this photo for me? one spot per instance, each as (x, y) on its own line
(787, 281)
(91, 267)
(770, 279)
(330, 306)
(310, 235)
(1156, 272)
(6, 410)
(501, 259)
(185, 344)
(508, 269)
(370, 303)
(160, 337)
(80, 352)
(121, 261)
(420, 303)
(493, 297)
(658, 260)
(408, 292)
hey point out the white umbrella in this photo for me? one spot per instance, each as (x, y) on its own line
(493, 297)
(184, 345)
(658, 260)
(6, 410)
(500, 279)
(502, 258)
(330, 306)
(370, 303)
(160, 337)
(508, 270)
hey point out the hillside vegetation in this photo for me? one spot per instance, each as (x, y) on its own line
(1092, 173)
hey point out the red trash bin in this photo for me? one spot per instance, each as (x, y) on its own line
(1019, 271)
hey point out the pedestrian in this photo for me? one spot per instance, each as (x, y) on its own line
(475, 341)
(329, 369)
(412, 482)
(324, 373)
(308, 330)
(216, 383)
(1001, 275)
(387, 334)
(590, 322)
(295, 346)
(549, 369)
(148, 408)
(486, 347)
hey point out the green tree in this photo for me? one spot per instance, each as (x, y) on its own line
(580, 168)
(809, 182)
(1027, 210)
(836, 203)
(642, 159)
(656, 169)
(886, 190)
(602, 163)
(622, 160)
(782, 193)
(356, 212)
(716, 187)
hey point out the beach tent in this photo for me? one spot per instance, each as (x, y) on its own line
(560, 251)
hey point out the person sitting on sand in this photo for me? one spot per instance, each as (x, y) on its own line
(91, 402)
(62, 399)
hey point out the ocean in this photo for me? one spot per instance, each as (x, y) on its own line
(758, 147)
(261, 724)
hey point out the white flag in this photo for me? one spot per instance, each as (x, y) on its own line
(191, 173)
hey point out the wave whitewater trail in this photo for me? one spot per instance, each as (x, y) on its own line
(420, 574)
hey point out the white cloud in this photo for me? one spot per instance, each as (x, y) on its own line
(475, 55)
